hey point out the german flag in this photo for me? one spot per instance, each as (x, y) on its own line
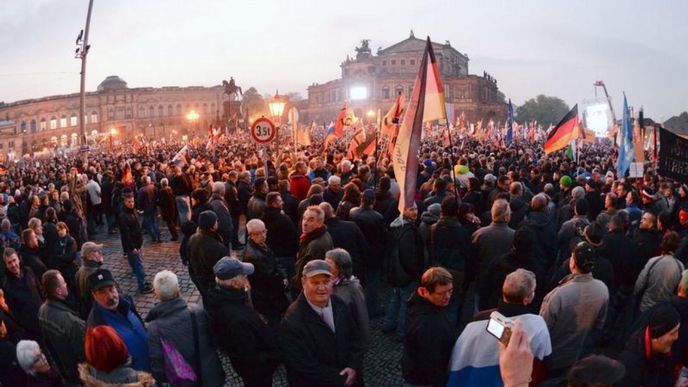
(567, 130)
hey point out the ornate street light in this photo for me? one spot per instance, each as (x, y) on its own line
(276, 106)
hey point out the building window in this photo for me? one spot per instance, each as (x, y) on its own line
(412, 62)
(22, 127)
(63, 121)
(94, 117)
(53, 123)
(111, 114)
(394, 62)
(151, 111)
(398, 89)
(33, 125)
(385, 92)
(129, 113)
(73, 120)
(403, 62)
(142, 112)
(43, 125)
(179, 109)
(170, 110)
(161, 111)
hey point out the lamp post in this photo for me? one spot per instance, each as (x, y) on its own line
(192, 117)
(276, 107)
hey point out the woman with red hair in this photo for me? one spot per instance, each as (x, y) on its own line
(108, 362)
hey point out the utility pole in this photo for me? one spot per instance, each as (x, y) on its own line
(81, 53)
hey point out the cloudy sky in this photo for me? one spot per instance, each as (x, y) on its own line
(532, 47)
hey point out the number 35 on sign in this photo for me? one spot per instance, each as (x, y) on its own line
(263, 130)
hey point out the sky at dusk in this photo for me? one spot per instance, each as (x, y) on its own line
(556, 48)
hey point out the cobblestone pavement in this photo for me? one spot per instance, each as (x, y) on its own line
(382, 362)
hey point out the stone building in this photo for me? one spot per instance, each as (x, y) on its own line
(370, 82)
(52, 122)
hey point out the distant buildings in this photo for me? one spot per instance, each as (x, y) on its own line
(371, 82)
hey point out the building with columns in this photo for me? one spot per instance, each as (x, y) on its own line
(52, 122)
(370, 82)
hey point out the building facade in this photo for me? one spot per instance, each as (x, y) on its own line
(370, 82)
(35, 125)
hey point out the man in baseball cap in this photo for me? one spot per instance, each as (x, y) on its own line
(313, 325)
(229, 267)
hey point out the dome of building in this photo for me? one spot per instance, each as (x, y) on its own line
(112, 82)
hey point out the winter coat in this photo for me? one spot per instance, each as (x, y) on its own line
(658, 280)
(428, 343)
(33, 258)
(205, 248)
(299, 186)
(313, 354)
(130, 230)
(313, 246)
(23, 296)
(256, 206)
(63, 333)
(621, 252)
(267, 281)
(643, 370)
(168, 205)
(545, 243)
(374, 230)
(282, 237)
(171, 320)
(347, 235)
(224, 220)
(449, 245)
(405, 253)
(490, 288)
(123, 376)
(240, 332)
(147, 200)
(351, 292)
(490, 243)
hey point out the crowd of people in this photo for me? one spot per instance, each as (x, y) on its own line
(587, 265)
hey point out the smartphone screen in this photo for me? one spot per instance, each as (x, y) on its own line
(495, 328)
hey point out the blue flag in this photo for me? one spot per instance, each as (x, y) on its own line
(509, 124)
(626, 152)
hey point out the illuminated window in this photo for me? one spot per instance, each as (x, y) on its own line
(73, 120)
(94, 117)
(22, 127)
(43, 125)
(358, 93)
(63, 121)
(53, 123)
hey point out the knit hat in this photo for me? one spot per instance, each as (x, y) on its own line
(596, 370)
(565, 181)
(664, 318)
(207, 219)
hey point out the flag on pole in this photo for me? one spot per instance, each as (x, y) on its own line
(303, 137)
(566, 130)
(345, 117)
(361, 144)
(509, 123)
(293, 116)
(127, 176)
(181, 158)
(451, 114)
(626, 153)
(330, 135)
(572, 151)
(426, 104)
(391, 121)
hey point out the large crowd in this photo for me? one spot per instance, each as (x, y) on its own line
(586, 264)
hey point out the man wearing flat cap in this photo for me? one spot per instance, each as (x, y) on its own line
(573, 310)
(120, 314)
(240, 332)
(319, 339)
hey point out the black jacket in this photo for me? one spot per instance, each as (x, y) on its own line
(647, 246)
(181, 184)
(313, 354)
(313, 246)
(622, 253)
(23, 296)
(428, 343)
(240, 332)
(374, 229)
(255, 206)
(267, 281)
(642, 371)
(282, 237)
(490, 289)
(545, 243)
(449, 245)
(205, 248)
(130, 230)
(404, 245)
(290, 206)
(63, 333)
(224, 220)
(347, 235)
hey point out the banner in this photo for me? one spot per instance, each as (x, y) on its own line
(673, 156)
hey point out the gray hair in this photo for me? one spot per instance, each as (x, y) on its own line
(327, 209)
(64, 195)
(518, 285)
(254, 225)
(219, 187)
(27, 355)
(334, 179)
(342, 259)
(577, 193)
(232, 283)
(166, 285)
(164, 182)
(501, 212)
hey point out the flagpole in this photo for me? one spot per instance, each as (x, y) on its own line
(377, 139)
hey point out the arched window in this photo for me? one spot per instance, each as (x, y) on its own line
(63, 121)
(398, 89)
(22, 127)
(151, 111)
(142, 112)
(44, 125)
(33, 126)
(129, 113)
(179, 109)
(53, 123)
(170, 110)
(73, 120)
(385, 92)
(111, 114)
(161, 111)
(94, 117)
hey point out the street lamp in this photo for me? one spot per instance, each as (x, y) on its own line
(276, 106)
(192, 117)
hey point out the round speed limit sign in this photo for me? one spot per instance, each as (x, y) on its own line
(263, 130)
